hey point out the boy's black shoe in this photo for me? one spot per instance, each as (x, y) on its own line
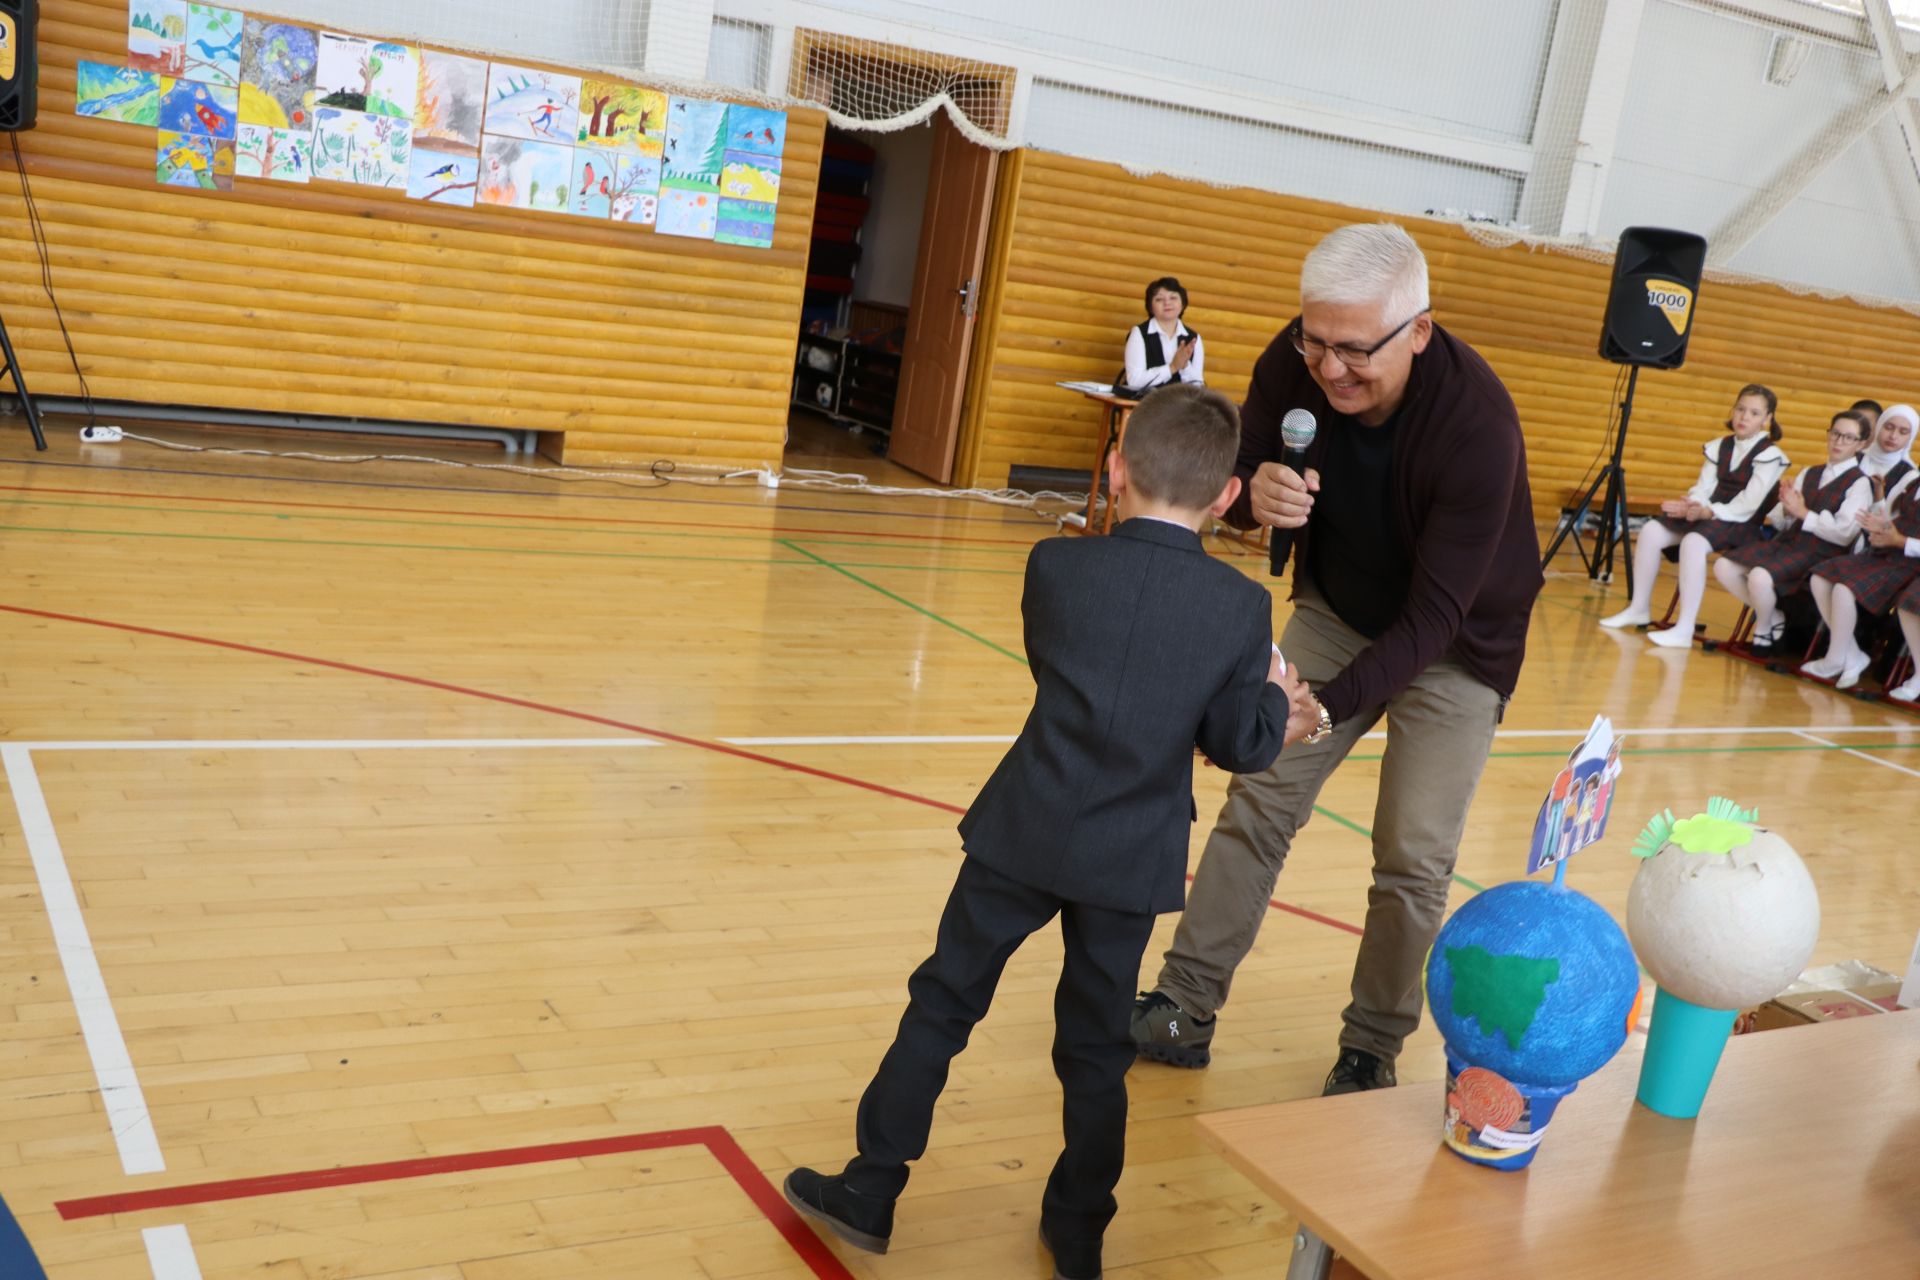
(1073, 1259)
(1165, 1032)
(862, 1221)
(1357, 1071)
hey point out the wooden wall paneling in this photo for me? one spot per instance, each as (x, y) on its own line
(1081, 239)
(341, 300)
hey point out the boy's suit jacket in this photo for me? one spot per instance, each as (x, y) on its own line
(1142, 646)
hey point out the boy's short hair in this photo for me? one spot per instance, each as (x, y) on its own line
(1872, 407)
(1181, 445)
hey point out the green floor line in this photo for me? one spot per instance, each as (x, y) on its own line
(1353, 826)
(515, 527)
(809, 562)
(844, 571)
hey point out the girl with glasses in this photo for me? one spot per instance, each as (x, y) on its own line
(1818, 519)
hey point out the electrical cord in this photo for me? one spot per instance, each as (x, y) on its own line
(39, 232)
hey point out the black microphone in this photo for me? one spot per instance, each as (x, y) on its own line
(1296, 433)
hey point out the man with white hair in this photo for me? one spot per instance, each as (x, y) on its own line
(1415, 567)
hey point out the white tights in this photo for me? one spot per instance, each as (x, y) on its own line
(1840, 612)
(1655, 538)
(1753, 588)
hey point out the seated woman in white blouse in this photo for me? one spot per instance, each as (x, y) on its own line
(1162, 349)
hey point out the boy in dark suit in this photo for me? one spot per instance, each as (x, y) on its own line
(1142, 646)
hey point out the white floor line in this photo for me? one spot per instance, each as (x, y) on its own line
(1885, 764)
(170, 1253)
(1568, 735)
(902, 740)
(333, 744)
(119, 1089)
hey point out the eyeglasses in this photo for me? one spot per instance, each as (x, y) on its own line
(1351, 356)
(1846, 435)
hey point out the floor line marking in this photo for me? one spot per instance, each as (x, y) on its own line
(1885, 764)
(334, 744)
(170, 1253)
(126, 1106)
(732, 1157)
(793, 546)
(1571, 735)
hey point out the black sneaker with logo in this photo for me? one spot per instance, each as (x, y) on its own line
(1357, 1071)
(1164, 1032)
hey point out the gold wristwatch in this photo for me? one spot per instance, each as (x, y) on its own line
(1325, 727)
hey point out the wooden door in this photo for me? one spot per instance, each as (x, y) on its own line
(946, 286)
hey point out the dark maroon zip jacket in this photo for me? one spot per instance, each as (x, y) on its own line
(1464, 515)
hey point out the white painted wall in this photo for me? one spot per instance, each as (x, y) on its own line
(890, 237)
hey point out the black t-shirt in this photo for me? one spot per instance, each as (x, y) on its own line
(1354, 551)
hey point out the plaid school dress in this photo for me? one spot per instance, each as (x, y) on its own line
(1879, 576)
(1729, 480)
(1790, 558)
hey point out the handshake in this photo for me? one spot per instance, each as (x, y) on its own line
(1303, 711)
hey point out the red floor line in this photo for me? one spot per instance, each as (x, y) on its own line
(703, 744)
(522, 515)
(732, 1158)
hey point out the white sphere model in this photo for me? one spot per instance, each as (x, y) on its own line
(1722, 913)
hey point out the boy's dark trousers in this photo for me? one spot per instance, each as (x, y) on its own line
(986, 919)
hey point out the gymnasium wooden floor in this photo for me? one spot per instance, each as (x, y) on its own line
(476, 877)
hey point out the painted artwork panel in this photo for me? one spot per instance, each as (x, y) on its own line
(355, 74)
(525, 175)
(360, 147)
(747, 176)
(443, 177)
(277, 65)
(281, 155)
(761, 130)
(213, 45)
(623, 116)
(636, 188)
(157, 36)
(687, 211)
(450, 103)
(540, 106)
(591, 191)
(193, 160)
(189, 107)
(696, 142)
(745, 222)
(107, 92)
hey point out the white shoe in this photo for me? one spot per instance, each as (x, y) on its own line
(1908, 692)
(1673, 638)
(1850, 674)
(1628, 617)
(1822, 668)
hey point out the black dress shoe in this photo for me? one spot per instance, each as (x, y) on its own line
(1357, 1071)
(865, 1222)
(1073, 1259)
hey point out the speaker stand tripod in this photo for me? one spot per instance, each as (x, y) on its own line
(1613, 506)
(20, 389)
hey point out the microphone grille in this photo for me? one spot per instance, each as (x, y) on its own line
(1297, 429)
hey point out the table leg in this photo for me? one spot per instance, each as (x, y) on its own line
(1312, 1257)
(1099, 470)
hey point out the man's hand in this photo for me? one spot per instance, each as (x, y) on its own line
(1281, 497)
(1303, 713)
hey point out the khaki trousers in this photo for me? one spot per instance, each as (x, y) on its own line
(1439, 732)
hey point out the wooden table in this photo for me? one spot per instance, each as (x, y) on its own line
(1804, 1163)
(1119, 408)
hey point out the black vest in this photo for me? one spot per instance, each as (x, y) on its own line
(1823, 496)
(1156, 357)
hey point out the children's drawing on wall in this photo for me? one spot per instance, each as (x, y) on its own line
(360, 147)
(443, 177)
(525, 175)
(277, 65)
(212, 54)
(157, 36)
(690, 170)
(623, 116)
(116, 93)
(187, 107)
(636, 189)
(594, 170)
(761, 130)
(746, 176)
(355, 74)
(540, 106)
(451, 102)
(282, 155)
(193, 160)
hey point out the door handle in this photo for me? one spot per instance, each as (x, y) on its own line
(967, 300)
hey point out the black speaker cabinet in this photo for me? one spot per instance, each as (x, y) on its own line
(19, 65)
(1656, 280)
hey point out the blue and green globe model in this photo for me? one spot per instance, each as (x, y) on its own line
(1532, 981)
